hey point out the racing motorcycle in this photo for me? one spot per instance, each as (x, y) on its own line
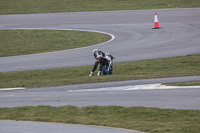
(107, 63)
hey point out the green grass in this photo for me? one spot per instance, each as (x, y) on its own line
(156, 68)
(22, 42)
(52, 6)
(138, 118)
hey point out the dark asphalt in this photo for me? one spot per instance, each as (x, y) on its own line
(40, 127)
(134, 38)
(78, 95)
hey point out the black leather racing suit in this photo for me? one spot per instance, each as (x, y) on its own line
(97, 56)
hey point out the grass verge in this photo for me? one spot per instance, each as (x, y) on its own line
(52, 6)
(156, 68)
(138, 118)
(22, 42)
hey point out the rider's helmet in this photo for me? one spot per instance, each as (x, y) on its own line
(95, 50)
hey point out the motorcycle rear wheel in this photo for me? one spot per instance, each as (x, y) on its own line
(105, 70)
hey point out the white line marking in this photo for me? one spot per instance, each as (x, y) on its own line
(8, 89)
(135, 87)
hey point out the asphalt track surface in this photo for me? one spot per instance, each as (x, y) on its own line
(40, 127)
(132, 39)
(108, 93)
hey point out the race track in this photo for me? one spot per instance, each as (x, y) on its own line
(132, 39)
(41, 127)
(123, 93)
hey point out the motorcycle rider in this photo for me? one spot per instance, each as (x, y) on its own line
(97, 55)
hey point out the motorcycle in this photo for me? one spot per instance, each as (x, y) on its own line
(107, 64)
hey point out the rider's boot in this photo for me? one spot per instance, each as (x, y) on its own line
(91, 74)
(99, 73)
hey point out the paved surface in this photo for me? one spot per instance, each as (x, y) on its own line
(40, 127)
(110, 93)
(88, 94)
(134, 38)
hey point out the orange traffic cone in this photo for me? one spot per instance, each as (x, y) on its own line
(156, 24)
